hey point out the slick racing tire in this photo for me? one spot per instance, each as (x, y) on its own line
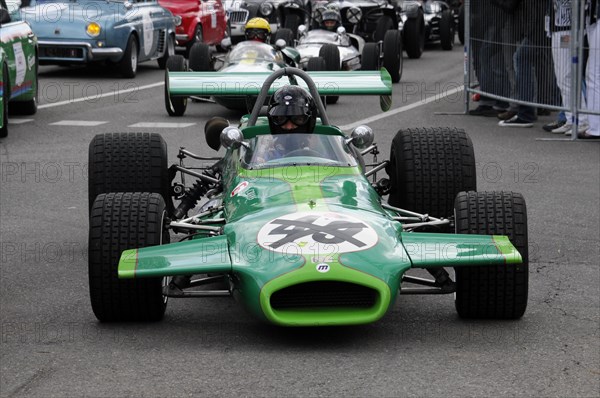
(384, 23)
(169, 52)
(317, 64)
(461, 24)
(5, 97)
(447, 30)
(287, 35)
(129, 63)
(128, 162)
(369, 59)
(200, 58)
(175, 106)
(414, 36)
(331, 54)
(392, 54)
(498, 291)
(198, 38)
(121, 221)
(428, 167)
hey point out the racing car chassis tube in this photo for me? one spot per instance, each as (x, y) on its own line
(290, 72)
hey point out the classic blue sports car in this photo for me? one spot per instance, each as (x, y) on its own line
(117, 31)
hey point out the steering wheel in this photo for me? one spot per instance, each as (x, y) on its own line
(304, 152)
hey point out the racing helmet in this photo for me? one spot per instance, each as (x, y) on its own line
(292, 104)
(258, 29)
(331, 19)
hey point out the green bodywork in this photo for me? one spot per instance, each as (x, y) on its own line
(342, 234)
(18, 55)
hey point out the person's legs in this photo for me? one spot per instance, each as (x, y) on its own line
(593, 79)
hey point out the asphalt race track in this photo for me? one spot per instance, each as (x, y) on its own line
(52, 345)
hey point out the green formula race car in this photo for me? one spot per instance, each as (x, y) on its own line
(304, 238)
(18, 68)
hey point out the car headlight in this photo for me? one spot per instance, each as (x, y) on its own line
(266, 9)
(353, 15)
(93, 29)
(177, 19)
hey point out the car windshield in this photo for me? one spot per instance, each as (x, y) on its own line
(252, 52)
(297, 149)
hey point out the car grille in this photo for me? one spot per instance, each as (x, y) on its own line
(61, 52)
(238, 16)
(324, 294)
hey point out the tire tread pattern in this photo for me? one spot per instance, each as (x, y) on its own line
(121, 221)
(428, 167)
(128, 162)
(501, 291)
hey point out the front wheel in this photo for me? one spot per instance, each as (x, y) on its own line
(118, 222)
(175, 106)
(447, 30)
(286, 35)
(5, 96)
(129, 62)
(392, 54)
(200, 59)
(499, 291)
(369, 59)
(414, 36)
(331, 54)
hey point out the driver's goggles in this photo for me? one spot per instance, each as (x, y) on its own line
(298, 120)
(260, 34)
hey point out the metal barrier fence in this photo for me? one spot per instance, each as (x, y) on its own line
(535, 54)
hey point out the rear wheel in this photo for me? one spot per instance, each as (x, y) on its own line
(169, 52)
(493, 291)
(447, 30)
(392, 54)
(331, 54)
(128, 162)
(128, 64)
(121, 221)
(369, 59)
(175, 106)
(200, 58)
(429, 167)
(414, 36)
(384, 23)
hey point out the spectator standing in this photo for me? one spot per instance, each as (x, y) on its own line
(592, 77)
(531, 73)
(560, 30)
(488, 62)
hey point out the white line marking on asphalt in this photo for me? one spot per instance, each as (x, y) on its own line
(402, 109)
(95, 97)
(19, 121)
(161, 125)
(78, 123)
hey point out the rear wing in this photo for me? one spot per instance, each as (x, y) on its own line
(185, 84)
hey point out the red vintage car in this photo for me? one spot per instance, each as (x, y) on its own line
(201, 21)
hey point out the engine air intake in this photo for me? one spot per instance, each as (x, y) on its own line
(324, 294)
